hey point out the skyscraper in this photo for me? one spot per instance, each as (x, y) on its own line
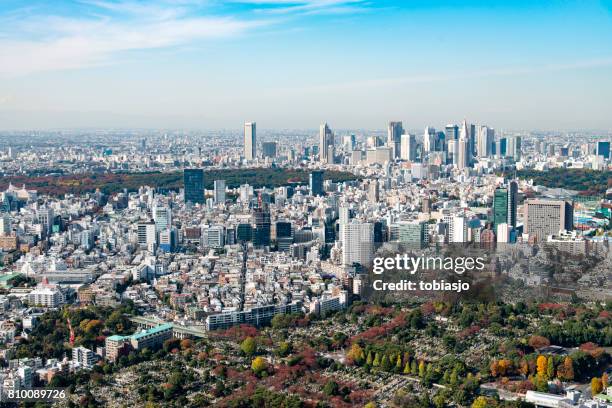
(269, 149)
(284, 235)
(219, 191)
(429, 139)
(505, 202)
(603, 149)
(5, 224)
(326, 139)
(250, 140)
(513, 147)
(261, 235)
(316, 183)
(162, 216)
(193, 180)
(452, 132)
(408, 148)
(548, 217)
(394, 134)
(357, 243)
(484, 141)
(463, 147)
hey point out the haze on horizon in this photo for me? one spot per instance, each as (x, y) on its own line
(213, 64)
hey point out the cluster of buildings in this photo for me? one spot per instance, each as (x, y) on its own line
(237, 254)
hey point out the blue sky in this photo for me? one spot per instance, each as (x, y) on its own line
(292, 64)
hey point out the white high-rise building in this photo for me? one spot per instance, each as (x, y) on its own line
(147, 234)
(219, 191)
(357, 243)
(250, 140)
(408, 147)
(326, 139)
(429, 139)
(162, 215)
(484, 141)
(463, 147)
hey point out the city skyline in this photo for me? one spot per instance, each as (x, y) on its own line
(161, 64)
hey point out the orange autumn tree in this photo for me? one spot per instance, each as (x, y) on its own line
(542, 365)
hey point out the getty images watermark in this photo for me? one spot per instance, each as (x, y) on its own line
(404, 263)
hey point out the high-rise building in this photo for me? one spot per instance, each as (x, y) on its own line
(412, 233)
(250, 140)
(261, 235)
(244, 232)
(513, 147)
(484, 141)
(193, 180)
(463, 147)
(408, 147)
(548, 217)
(83, 356)
(452, 132)
(429, 139)
(326, 139)
(603, 149)
(316, 183)
(284, 235)
(162, 216)
(373, 191)
(357, 243)
(394, 134)
(219, 191)
(269, 149)
(505, 202)
(5, 224)
(147, 235)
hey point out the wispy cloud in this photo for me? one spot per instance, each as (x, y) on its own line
(34, 42)
(306, 7)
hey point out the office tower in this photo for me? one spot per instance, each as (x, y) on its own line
(548, 217)
(219, 191)
(373, 191)
(457, 228)
(168, 239)
(193, 180)
(603, 149)
(472, 140)
(412, 233)
(45, 218)
(162, 216)
(502, 147)
(463, 146)
(505, 202)
(147, 235)
(284, 235)
(357, 243)
(349, 142)
(216, 236)
(261, 235)
(394, 134)
(10, 152)
(452, 132)
(408, 148)
(244, 232)
(503, 233)
(250, 140)
(331, 154)
(484, 141)
(429, 139)
(326, 139)
(513, 147)
(426, 205)
(380, 155)
(316, 183)
(269, 149)
(5, 224)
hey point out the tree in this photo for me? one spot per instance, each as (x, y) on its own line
(356, 354)
(480, 402)
(407, 368)
(258, 365)
(541, 364)
(398, 363)
(422, 369)
(248, 346)
(376, 362)
(413, 368)
(596, 386)
(538, 342)
(605, 381)
(284, 349)
(370, 404)
(385, 364)
(331, 388)
(370, 359)
(566, 370)
(550, 368)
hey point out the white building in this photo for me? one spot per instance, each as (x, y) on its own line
(357, 243)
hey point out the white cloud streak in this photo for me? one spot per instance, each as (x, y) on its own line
(41, 42)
